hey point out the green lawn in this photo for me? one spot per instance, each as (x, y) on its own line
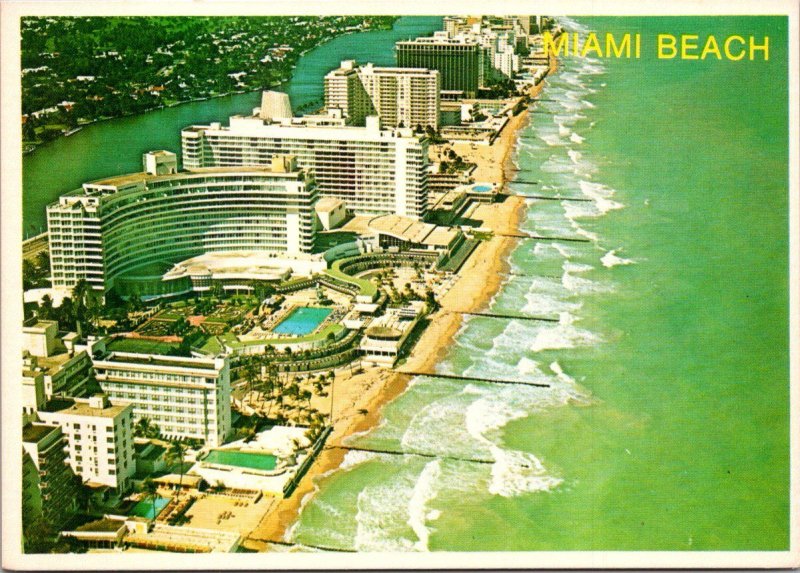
(142, 346)
(365, 287)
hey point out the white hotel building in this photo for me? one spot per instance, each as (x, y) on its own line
(401, 97)
(374, 171)
(128, 231)
(185, 397)
(99, 439)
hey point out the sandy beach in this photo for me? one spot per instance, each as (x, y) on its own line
(358, 399)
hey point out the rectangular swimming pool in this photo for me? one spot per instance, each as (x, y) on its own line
(302, 320)
(242, 459)
(144, 508)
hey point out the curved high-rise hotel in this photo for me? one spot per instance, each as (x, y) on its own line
(127, 231)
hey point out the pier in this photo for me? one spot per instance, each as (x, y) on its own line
(534, 276)
(541, 238)
(508, 316)
(419, 454)
(474, 379)
(320, 547)
(549, 197)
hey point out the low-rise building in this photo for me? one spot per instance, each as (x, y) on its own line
(150, 458)
(409, 235)
(331, 212)
(99, 439)
(64, 365)
(384, 336)
(32, 394)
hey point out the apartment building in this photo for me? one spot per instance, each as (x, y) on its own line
(99, 439)
(460, 61)
(401, 97)
(44, 447)
(64, 366)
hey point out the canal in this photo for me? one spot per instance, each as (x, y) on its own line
(115, 146)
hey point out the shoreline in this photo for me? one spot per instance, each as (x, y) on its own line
(478, 282)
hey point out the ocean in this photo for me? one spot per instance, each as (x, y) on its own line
(665, 425)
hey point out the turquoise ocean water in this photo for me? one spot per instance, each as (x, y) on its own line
(666, 423)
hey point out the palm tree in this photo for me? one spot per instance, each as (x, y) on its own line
(144, 428)
(176, 452)
(150, 490)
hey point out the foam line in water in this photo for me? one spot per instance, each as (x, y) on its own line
(610, 259)
(424, 492)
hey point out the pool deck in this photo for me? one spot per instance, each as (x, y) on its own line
(276, 441)
(302, 320)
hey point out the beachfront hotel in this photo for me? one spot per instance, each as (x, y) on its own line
(401, 97)
(186, 397)
(99, 439)
(374, 171)
(460, 61)
(127, 231)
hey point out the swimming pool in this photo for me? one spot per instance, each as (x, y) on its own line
(302, 320)
(242, 459)
(482, 188)
(144, 508)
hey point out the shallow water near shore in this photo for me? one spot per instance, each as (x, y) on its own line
(665, 423)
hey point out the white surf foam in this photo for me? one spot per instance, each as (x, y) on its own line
(562, 336)
(424, 492)
(515, 473)
(610, 259)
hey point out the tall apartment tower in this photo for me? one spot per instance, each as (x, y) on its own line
(401, 97)
(345, 91)
(459, 61)
(374, 171)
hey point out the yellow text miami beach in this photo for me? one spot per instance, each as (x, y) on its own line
(667, 46)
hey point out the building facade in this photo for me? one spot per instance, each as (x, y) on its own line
(64, 368)
(459, 61)
(401, 97)
(44, 445)
(99, 439)
(133, 228)
(185, 397)
(374, 171)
